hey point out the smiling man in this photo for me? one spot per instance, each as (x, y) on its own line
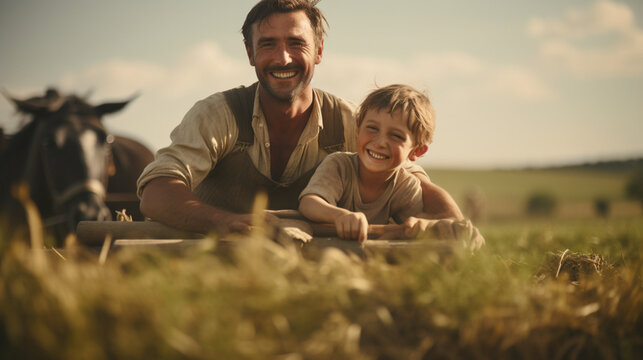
(268, 137)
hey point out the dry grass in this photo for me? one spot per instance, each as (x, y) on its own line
(573, 266)
(523, 296)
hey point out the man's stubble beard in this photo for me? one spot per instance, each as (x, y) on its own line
(290, 97)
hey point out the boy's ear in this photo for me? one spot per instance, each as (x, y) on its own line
(417, 152)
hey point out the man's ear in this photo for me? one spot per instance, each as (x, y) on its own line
(417, 152)
(320, 51)
(251, 58)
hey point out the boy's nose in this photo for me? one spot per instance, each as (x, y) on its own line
(380, 141)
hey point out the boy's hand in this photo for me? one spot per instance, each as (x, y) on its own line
(352, 225)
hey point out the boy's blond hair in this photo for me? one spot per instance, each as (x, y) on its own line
(414, 105)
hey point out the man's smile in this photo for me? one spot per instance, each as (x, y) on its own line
(284, 74)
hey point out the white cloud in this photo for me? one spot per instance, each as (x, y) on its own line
(518, 83)
(204, 68)
(601, 40)
(604, 16)
(459, 75)
(448, 64)
(116, 77)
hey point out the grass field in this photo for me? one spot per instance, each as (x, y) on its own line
(506, 191)
(564, 287)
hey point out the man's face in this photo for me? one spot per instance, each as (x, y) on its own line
(284, 54)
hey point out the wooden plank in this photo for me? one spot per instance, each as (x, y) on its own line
(329, 230)
(150, 233)
(93, 233)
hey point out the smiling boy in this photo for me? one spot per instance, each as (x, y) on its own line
(394, 124)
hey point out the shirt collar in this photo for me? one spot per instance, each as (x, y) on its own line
(313, 127)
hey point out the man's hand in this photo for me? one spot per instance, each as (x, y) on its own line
(352, 225)
(170, 201)
(235, 223)
(242, 223)
(418, 227)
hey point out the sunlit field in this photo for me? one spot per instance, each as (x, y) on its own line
(505, 192)
(563, 286)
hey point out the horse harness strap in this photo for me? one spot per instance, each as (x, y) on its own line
(92, 186)
(235, 181)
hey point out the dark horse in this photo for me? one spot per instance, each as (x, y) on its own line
(71, 164)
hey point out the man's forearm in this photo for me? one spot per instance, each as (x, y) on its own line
(170, 201)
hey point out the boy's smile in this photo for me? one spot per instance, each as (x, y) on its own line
(384, 142)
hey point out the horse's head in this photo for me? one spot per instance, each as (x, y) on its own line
(69, 157)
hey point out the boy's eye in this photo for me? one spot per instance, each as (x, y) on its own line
(399, 137)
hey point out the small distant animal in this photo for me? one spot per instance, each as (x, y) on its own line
(70, 163)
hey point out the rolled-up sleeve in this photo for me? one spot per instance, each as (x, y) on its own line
(206, 134)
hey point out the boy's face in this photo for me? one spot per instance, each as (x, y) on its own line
(284, 54)
(384, 142)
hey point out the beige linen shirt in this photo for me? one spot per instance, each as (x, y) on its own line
(209, 132)
(336, 180)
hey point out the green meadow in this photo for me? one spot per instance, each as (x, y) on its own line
(505, 192)
(564, 286)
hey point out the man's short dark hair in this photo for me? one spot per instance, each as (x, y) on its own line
(265, 8)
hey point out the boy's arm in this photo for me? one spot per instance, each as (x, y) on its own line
(349, 225)
(438, 204)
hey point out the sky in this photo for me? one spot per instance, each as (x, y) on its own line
(514, 83)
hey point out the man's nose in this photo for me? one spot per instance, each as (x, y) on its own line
(283, 56)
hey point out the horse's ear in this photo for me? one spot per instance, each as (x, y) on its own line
(108, 108)
(37, 105)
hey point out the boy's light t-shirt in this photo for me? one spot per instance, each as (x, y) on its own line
(336, 181)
